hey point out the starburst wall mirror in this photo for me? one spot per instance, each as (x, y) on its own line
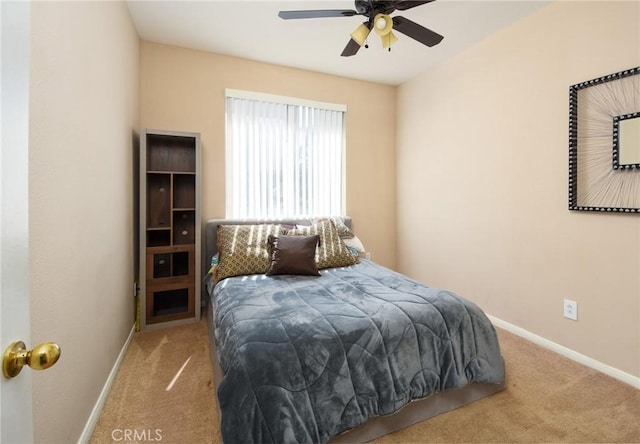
(604, 143)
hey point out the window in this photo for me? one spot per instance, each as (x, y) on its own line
(284, 157)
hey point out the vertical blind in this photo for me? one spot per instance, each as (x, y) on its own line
(283, 160)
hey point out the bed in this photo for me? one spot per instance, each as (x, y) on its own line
(348, 355)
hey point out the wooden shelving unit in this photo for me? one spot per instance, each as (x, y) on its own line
(170, 227)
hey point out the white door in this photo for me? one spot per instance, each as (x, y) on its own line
(16, 422)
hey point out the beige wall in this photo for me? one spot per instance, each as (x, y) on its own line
(183, 90)
(482, 161)
(83, 111)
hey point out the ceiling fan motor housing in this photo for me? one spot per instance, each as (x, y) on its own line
(363, 6)
(371, 8)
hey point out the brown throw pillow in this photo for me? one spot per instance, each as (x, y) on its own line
(293, 255)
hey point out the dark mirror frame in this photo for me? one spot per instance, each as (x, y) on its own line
(574, 144)
(616, 142)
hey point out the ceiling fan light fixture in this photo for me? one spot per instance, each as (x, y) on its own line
(360, 34)
(388, 40)
(383, 24)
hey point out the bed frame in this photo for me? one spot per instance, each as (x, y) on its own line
(412, 413)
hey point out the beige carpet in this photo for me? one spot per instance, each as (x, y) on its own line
(549, 399)
(140, 405)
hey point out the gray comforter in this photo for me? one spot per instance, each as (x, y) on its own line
(306, 358)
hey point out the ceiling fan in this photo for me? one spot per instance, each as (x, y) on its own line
(378, 19)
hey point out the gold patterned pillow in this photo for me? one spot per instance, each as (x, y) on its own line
(243, 249)
(344, 231)
(332, 251)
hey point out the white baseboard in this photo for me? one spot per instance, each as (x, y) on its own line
(97, 408)
(634, 381)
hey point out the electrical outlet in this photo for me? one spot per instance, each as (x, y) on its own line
(570, 309)
(367, 255)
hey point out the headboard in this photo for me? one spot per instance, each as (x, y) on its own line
(211, 233)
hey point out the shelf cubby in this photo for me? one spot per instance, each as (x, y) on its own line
(184, 227)
(171, 153)
(159, 237)
(169, 303)
(184, 195)
(158, 200)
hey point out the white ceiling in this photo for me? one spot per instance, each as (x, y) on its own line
(253, 30)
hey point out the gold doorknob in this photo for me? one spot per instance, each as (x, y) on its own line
(40, 357)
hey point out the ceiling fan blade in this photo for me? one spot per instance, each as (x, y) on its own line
(318, 13)
(401, 5)
(416, 31)
(351, 49)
